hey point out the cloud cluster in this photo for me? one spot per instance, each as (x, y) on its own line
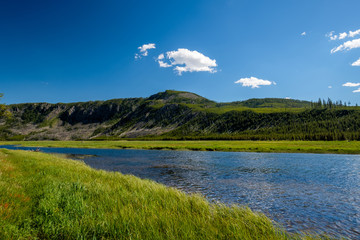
(254, 82)
(350, 84)
(144, 50)
(184, 60)
(343, 35)
(348, 45)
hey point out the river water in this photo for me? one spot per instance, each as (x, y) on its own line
(303, 192)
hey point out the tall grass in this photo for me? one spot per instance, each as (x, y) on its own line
(47, 197)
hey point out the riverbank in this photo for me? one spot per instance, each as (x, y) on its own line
(334, 147)
(47, 197)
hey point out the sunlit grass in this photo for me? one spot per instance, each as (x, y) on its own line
(46, 197)
(230, 107)
(345, 147)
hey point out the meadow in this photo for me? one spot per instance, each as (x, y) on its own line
(44, 196)
(337, 147)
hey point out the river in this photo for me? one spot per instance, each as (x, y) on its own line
(304, 192)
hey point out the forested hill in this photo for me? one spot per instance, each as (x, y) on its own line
(182, 115)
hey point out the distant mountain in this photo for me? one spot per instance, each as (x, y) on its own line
(181, 115)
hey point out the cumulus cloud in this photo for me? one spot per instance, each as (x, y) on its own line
(184, 60)
(303, 34)
(254, 82)
(347, 46)
(357, 90)
(329, 86)
(144, 50)
(356, 63)
(350, 84)
(343, 35)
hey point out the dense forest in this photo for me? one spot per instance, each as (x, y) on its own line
(182, 115)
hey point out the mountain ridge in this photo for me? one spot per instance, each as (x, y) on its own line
(167, 94)
(180, 115)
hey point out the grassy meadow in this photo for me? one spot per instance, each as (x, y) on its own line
(339, 147)
(47, 197)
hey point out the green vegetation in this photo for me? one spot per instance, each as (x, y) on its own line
(4, 113)
(49, 123)
(340, 147)
(46, 197)
(175, 115)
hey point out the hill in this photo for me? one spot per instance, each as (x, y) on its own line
(182, 115)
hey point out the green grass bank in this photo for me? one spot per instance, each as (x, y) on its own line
(46, 197)
(337, 147)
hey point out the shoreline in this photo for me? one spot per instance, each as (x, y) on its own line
(317, 147)
(50, 188)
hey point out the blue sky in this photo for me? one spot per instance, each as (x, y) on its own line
(67, 51)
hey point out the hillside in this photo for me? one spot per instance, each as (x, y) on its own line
(181, 115)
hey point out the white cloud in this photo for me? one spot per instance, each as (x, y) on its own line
(347, 46)
(184, 60)
(350, 84)
(254, 82)
(303, 34)
(353, 34)
(287, 97)
(164, 64)
(331, 35)
(329, 86)
(343, 35)
(144, 50)
(161, 62)
(356, 63)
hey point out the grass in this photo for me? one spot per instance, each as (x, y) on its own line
(338, 147)
(225, 109)
(213, 108)
(47, 197)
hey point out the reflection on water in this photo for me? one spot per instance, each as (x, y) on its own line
(304, 192)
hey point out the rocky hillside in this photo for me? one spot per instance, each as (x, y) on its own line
(179, 115)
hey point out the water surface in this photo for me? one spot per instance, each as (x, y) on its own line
(303, 192)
